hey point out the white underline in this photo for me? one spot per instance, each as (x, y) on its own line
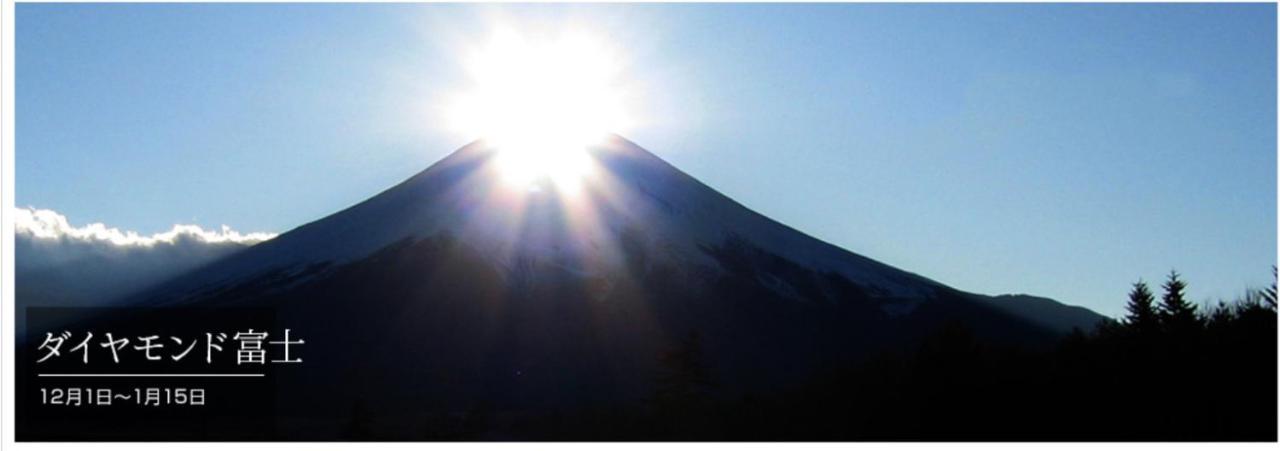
(156, 375)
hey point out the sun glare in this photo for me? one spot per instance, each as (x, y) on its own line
(540, 103)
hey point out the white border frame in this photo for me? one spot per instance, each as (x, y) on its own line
(8, 310)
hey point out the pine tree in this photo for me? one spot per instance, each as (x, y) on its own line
(1142, 311)
(1175, 312)
(1269, 294)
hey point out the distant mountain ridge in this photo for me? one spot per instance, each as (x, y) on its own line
(1048, 312)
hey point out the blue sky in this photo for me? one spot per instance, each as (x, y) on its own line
(1059, 150)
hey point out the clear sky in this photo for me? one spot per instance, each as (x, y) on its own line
(1058, 150)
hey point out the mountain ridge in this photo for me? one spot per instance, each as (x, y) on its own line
(449, 289)
(625, 160)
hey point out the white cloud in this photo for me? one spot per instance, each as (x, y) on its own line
(49, 224)
(57, 263)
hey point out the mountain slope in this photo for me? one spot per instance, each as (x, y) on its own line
(460, 195)
(1047, 312)
(453, 290)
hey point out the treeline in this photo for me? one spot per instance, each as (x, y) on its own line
(1168, 371)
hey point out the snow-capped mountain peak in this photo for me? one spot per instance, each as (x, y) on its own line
(463, 196)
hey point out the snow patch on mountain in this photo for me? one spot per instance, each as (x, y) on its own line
(634, 203)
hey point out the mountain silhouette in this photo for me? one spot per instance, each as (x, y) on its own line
(453, 290)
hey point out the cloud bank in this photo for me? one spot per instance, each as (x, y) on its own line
(56, 263)
(49, 224)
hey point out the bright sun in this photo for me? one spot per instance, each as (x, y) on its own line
(540, 103)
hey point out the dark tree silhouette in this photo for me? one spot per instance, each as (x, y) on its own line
(1142, 311)
(1176, 313)
(1269, 294)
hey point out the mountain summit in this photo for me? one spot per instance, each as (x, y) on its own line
(633, 199)
(453, 288)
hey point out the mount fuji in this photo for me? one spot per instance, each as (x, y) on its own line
(452, 290)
